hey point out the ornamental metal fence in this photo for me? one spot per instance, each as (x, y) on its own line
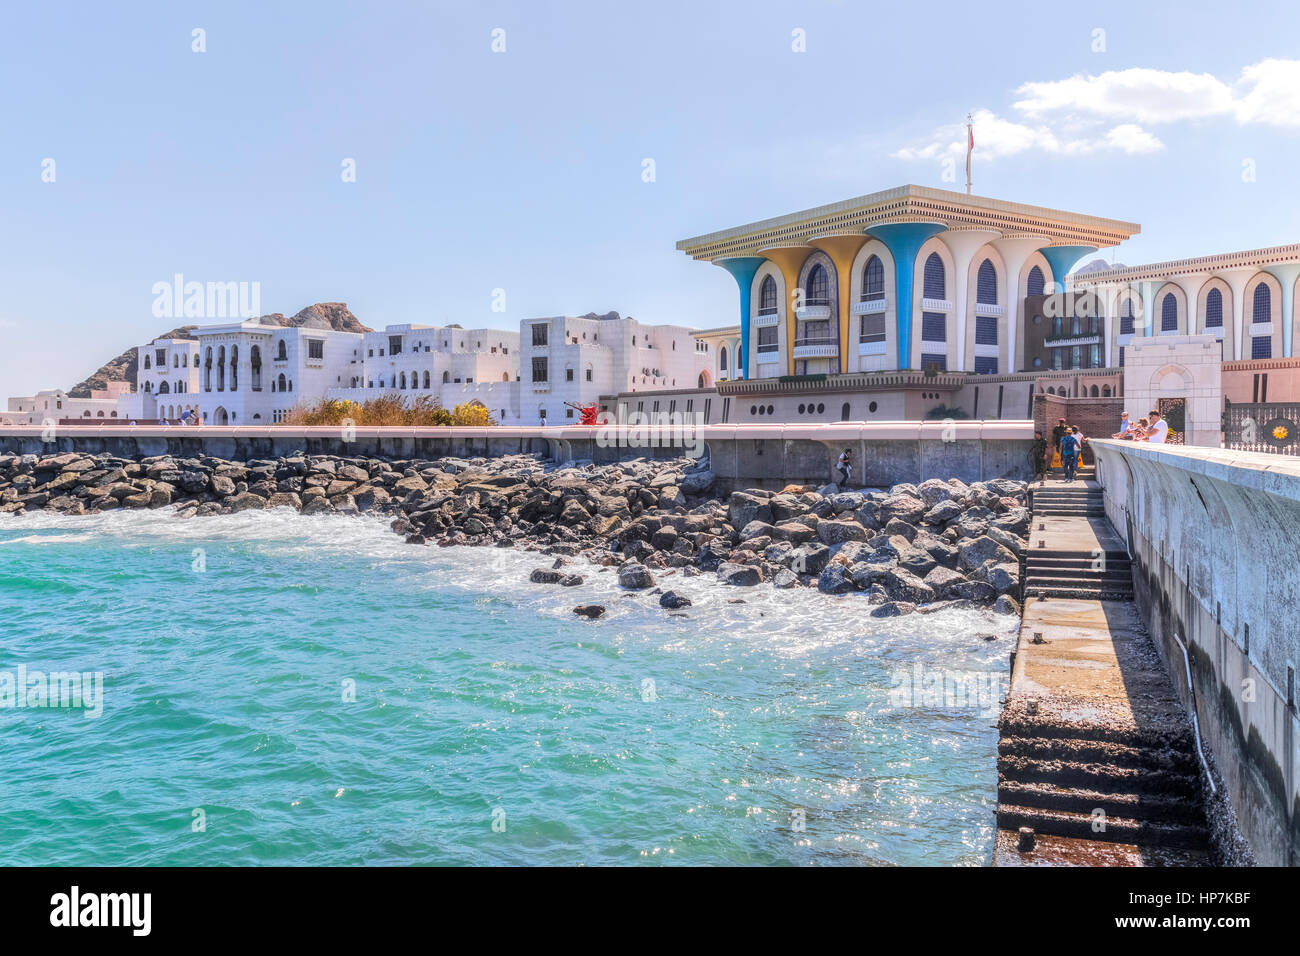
(1262, 426)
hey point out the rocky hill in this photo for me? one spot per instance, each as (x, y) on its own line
(322, 315)
(122, 368)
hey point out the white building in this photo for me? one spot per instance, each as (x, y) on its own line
(252, 373)
(571, 359)
(167, 376)
(451, 364)
(54, 404)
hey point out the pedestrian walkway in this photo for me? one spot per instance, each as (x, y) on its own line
(1096, 755)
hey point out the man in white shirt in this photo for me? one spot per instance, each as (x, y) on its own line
(1159, 427)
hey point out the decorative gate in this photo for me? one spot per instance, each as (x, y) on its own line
(1174, 412)
(1264, 426)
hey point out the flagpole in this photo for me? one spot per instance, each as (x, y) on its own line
(970, 148)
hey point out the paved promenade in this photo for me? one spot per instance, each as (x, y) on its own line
(1096, 754)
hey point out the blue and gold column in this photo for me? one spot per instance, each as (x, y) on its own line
(742, 269)
(904, 240)
(1062, 260)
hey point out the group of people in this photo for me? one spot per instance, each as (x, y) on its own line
(191, 416)
(1152, 428)
(1068, 441)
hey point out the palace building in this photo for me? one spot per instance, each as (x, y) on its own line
(911, 300)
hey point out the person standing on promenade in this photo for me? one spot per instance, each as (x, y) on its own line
(1069, 453)
(1038, 453)
(1159, 431)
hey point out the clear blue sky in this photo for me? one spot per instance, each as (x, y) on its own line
(523, 170)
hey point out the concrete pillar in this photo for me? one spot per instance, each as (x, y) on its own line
(1287, 273)
(963, 244)
(1237, 279)
(904, 241)
(742, 269)
(1191, 286)
(1015, 251)
(1147, 290)
(842, 250)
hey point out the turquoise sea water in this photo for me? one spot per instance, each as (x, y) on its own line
(755, 733)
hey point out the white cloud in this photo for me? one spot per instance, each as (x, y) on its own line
(1270, 93)
(1145, 96)
(1072, 116)
(996, 137)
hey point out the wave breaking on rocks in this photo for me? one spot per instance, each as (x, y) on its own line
(909, 548)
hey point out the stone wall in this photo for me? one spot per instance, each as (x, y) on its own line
(1212, 534)
(769, 456)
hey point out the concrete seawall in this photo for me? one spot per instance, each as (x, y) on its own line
(1214, 537)
(885, 453)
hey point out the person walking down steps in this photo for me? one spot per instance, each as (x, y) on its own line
(1070, 449)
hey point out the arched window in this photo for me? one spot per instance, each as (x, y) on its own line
(767, 296)
(986, 285)
(281, 353)
(196, 359)
(817, 290)
(1126, 317)
(1261, 346)
(255, 360)
(844, 412)
(146, 360)
(873, 280)
(403, 385)
(221, 368)
(1036, 282)
(1105, 391)
(281, 381)
(234, 368)
(99, 414)
(935, 283)
(700, 383)
(426, 378)
(1094, 392)
(446, 377)
(1262, 310)
(1169, 313)
(163, 388)
(722, 358)
(1214, 309)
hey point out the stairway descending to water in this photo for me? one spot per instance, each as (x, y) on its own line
(1054, 571)
(1096, 754)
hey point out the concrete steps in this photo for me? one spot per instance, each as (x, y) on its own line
(1094, 752)
(1141, 792)
(1110, 829)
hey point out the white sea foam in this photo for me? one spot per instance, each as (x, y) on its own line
(789, 622)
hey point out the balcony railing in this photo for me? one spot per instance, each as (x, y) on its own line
(816, 340)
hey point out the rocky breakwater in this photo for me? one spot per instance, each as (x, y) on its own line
(907, 548)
